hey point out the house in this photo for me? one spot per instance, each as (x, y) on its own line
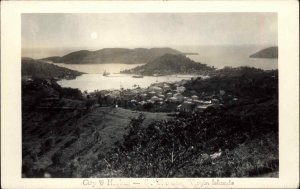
(149, 101)
(179, 96)
(160, 99)
(166, 87)
(142, 102)
(207, 102)
(195, 97)
(189, 100)
(173, 99)
(186, 106)
(201, 108)
(157, 89)
(180, 89)
(144, 96)
(154, 99)
(161, 96)
(169, 94)
(198, 102)
(152, 93)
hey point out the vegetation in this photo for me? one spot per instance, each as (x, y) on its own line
(172, 64)
(114, 55)
(183, 147)
(39, 69)
(244, 82)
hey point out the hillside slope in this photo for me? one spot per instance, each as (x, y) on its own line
(114, 55)
(60, 131)
(36, 68)
(172, 64)
(271, 52)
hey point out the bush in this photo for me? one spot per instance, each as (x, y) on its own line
(174, 148)
(57, 158)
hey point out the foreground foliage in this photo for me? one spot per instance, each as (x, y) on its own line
(218, 143)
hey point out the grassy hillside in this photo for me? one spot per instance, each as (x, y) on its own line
(59, 134)
(115, 55)
(37, 68)
(172, 64)
(271, 52)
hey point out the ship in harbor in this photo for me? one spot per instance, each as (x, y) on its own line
(137, 76)
(105, 73)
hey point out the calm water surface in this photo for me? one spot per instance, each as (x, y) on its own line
(98, 68)
(92, 81)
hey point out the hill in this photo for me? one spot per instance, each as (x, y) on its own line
(36, 68)
(271, 52)
(238, 71)
(172, 64)
(243, 83)
(57, 129)
(114, 55)
(51, 58)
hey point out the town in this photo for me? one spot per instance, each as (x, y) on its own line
(159, 97)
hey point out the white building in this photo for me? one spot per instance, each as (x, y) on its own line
(178, 96)
(195, 97)
(180, 89)
(154, 99)
(169, 94)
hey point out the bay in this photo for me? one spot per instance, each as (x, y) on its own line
(91, 82)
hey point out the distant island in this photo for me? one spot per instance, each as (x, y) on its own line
(171, 64)
(39, 69)
(113, 55)
(271, 52)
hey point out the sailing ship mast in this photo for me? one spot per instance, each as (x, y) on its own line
(105, 73)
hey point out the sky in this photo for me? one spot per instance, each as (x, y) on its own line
(131, 30)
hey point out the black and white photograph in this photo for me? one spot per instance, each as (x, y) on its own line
(149, 95)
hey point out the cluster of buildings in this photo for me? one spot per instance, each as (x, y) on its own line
(167, 96)
(160, 94)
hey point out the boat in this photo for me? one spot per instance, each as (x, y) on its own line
(105, 73)
(137, 76)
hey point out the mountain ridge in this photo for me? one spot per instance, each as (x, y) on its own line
(113, 55)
